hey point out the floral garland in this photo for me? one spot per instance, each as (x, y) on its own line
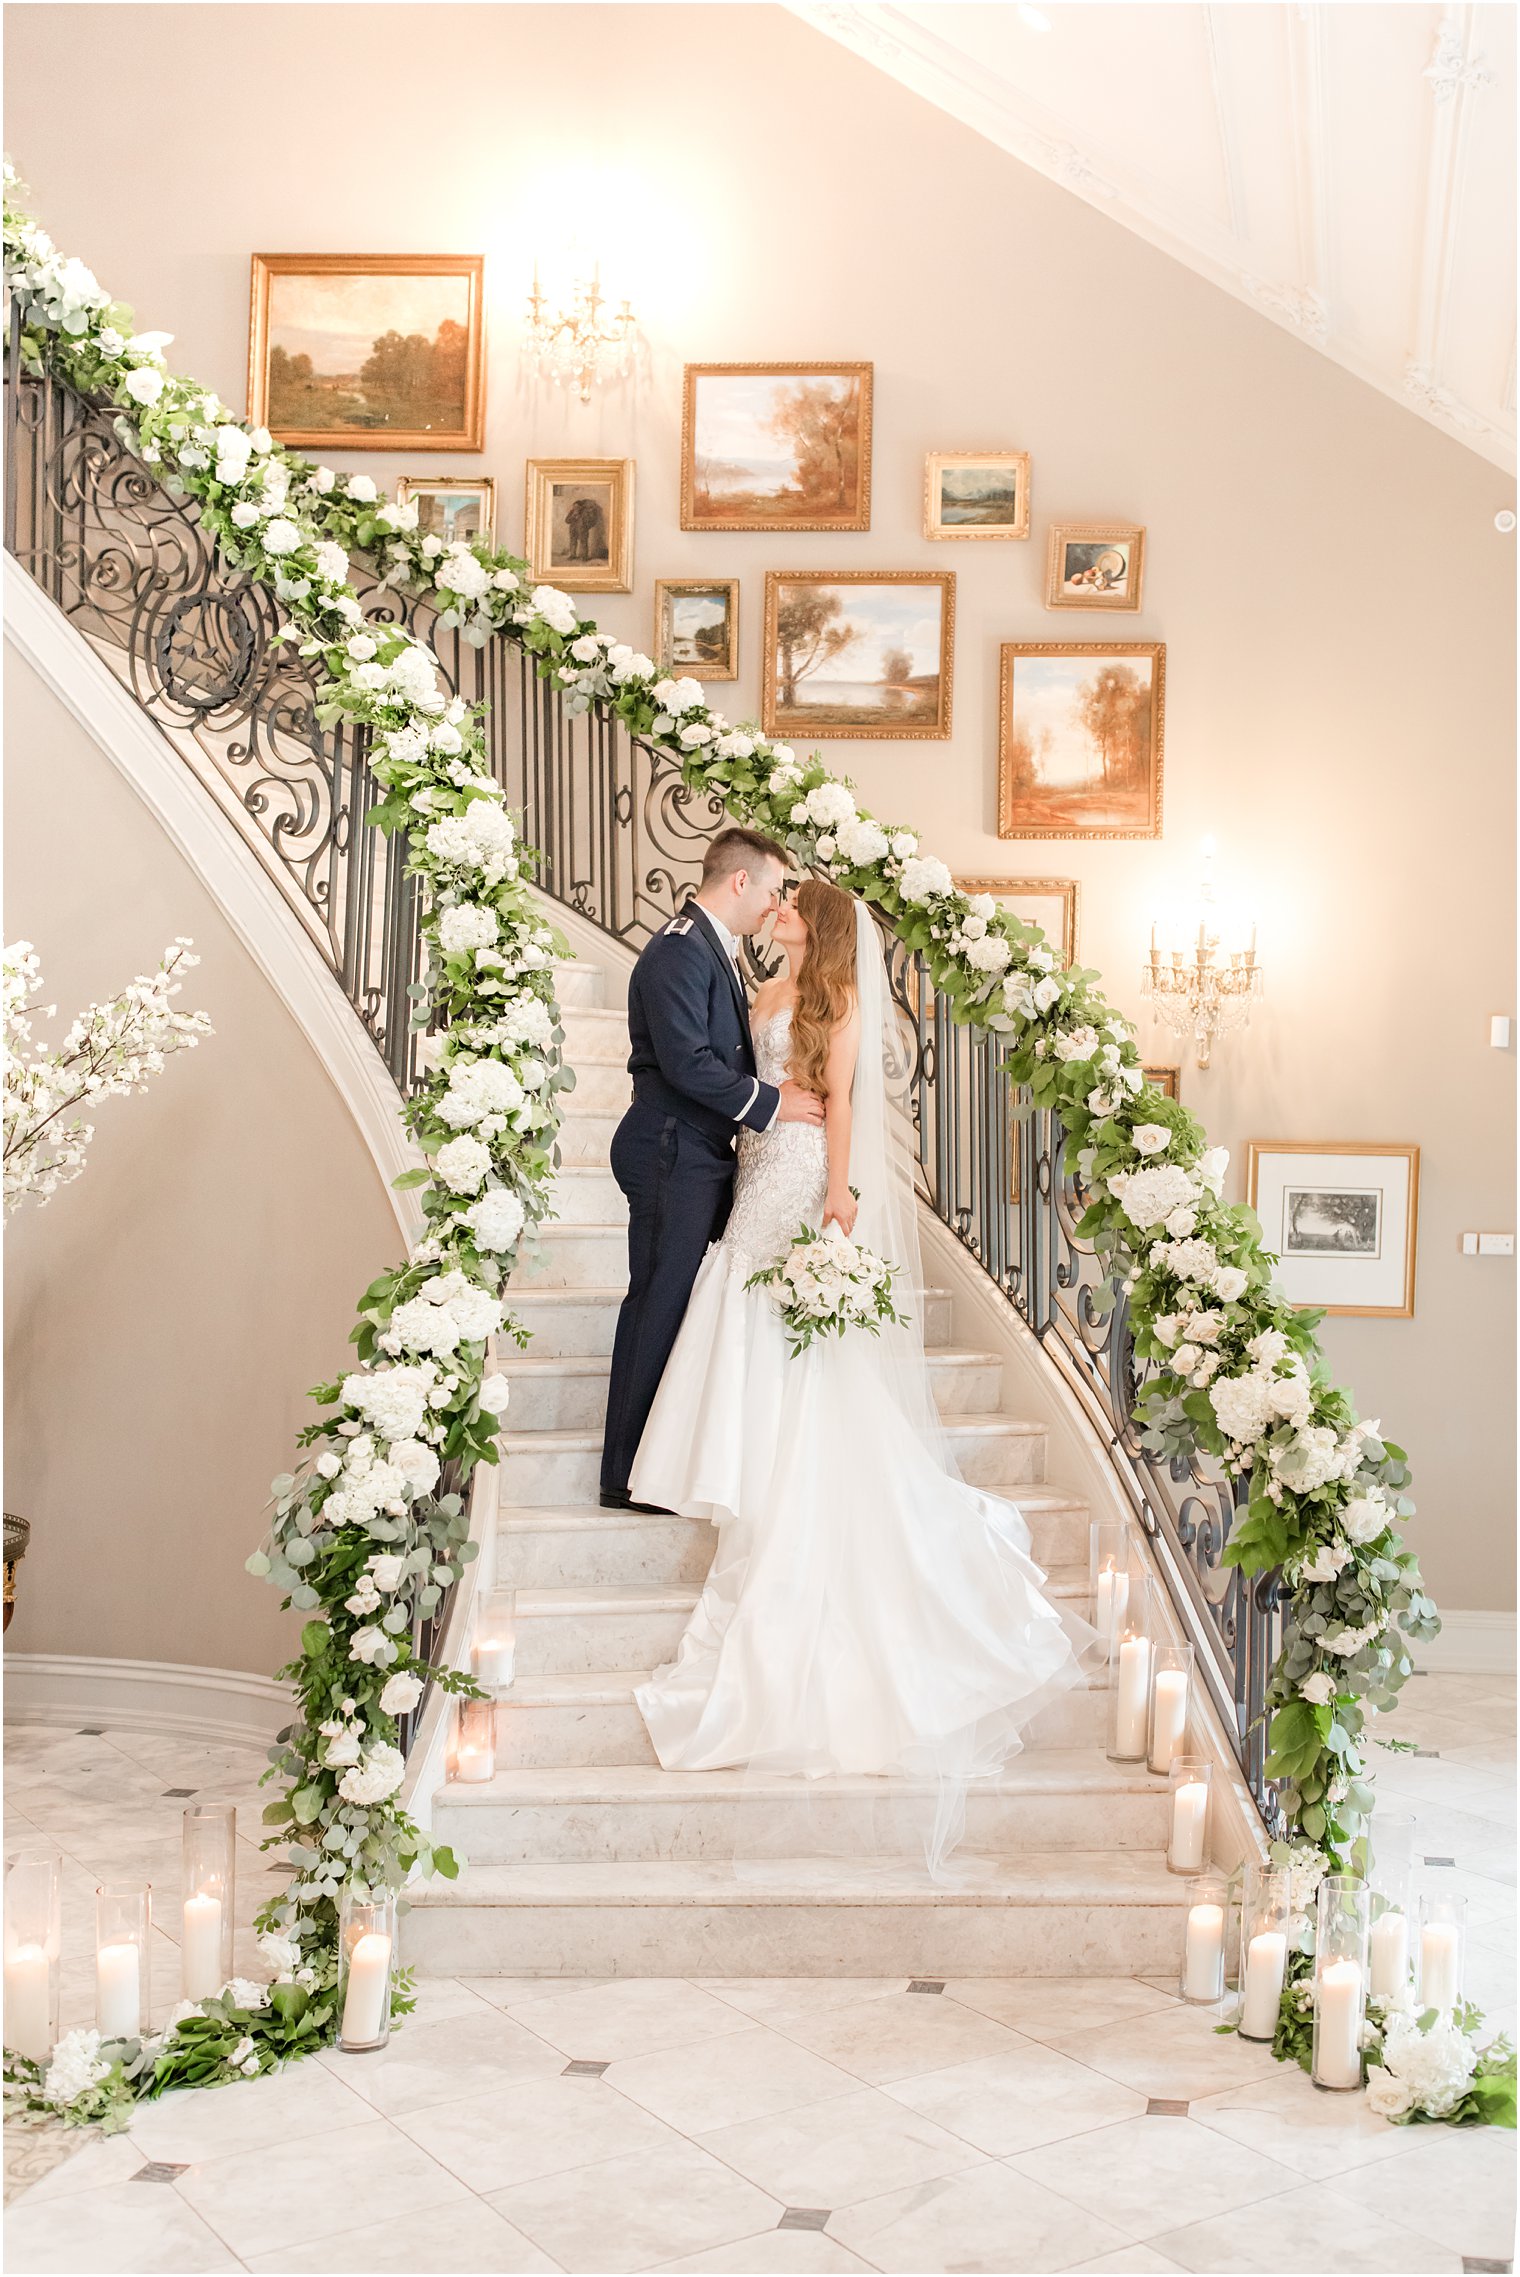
(359, 1540)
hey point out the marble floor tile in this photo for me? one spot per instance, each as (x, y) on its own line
(1458, 2183)
(1287, 2118)
(839, 2151)
(718, 2083)
(443, 2061)
(634, 2016)
(464, 2240)
(990, 2219)
(1129, 2261)
(1175, 2053)
(1013, 2102)
(1051, 2008)
(1142, 2170)
(897, 2036)
(515, 1992)
(1308, 2231)
(197, 2123)
(540, 2127)
(789, 2253)
(445, 1996)
(629, 2213)
(764, 1998)
(117, 2231)
(259, 2205)
(71, 2158)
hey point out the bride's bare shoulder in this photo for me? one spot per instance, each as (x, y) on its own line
(769, 997)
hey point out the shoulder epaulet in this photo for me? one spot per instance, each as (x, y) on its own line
(679, 925)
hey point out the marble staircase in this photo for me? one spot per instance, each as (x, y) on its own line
(585, 1858)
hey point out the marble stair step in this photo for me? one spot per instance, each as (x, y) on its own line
(1042, 1913)
(1061, 1799)
(586, 1193)
(1000, 1453)
(589, 1717)
(576, 982)
(580, 1322)
(635, 1624)
(559, 1393)
(559, 1256)
(585, 1137)
(602, 1087)
(595, 1036)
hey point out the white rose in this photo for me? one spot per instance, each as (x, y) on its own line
(361, 648)
(1151, 1138)
(419, 1466)
(1365, 1517)
(401, 1694)
(371, 1646)
(1212, 1167)
(361, 489)
(494, 1394)
(244, 515)
(388, 1570)
(145, 384)
(1230, 1282)
(1076, 1044)
(1318, 1689)
(1046, 992)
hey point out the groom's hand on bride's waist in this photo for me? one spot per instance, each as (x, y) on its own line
(797, 1105)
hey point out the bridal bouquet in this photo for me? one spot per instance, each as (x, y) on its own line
(827, 1283)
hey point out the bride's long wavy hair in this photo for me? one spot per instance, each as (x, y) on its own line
(825, 978)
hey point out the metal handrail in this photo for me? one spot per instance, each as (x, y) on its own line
(620, 836)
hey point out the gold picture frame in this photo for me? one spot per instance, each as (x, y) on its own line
(579, 524)
(1166, 1080)
(1345, 1242)
(984, 509)
(1067, 892)
(445, 491)
(393, 407)
(1095, 565)
(831, 443)
(1108, 715)
(704, 660)
(916, 703)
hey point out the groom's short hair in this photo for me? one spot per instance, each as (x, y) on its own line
(738, 849)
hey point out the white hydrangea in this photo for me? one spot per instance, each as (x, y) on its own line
(923, 876)
(394, 1400)
(478, 1088)
(526, 1020)
(465, 927)
(828, 806)
(482, 838)
(1420, 2071)
(556, 609)
(677, 696)
(76, 2066)
(1148, 1196)
(1189, 1260)
(990, 954)
(1310, 1460)
(379, 1775)
(496, 1220)
(283, 537)
(862, 842)
(462, 1163)
(1075, 1043)
(1241, 1407)
(462, 573)
(332, 562)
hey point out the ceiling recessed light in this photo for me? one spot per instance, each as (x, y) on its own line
(1033, 19)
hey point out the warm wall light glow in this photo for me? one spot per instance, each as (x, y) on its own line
(1033, 19)
(1202, 975)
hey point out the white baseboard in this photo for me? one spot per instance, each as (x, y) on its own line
(1470, 1644)
(60, 1689)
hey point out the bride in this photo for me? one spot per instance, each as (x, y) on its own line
(866, 1610)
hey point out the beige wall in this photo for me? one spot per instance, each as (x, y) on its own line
(166, 1313)
(1323, 567)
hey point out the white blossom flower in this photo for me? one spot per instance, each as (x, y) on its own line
(478, 1088)
(75, 2067)
(379, 1775)
(362, 489)
(283, 537)
(394, 1400)
(401, 1693)
(677, 696)
(482, 838)
(466, 927)
(924, 876)
(990, 954)
(1148, 1196)
(496, 1220)
(1150, 1138)
(462, 1163)
(1318, 1689)
(373, 1647)
(1365, 1517)
(463, 573)
(827, 806)
(332, 562)
(1241, 1407)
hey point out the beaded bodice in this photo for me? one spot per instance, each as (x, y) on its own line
(783, 1173)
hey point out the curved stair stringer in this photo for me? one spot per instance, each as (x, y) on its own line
(255, 906)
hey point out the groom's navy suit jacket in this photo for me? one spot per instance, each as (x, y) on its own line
(692, 1060)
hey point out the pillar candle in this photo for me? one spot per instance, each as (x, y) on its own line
(28, 2003)
(369, 1978)
(1338, 2031)
(1440, 1964)
(1388, 1955)
(1190, 1814)
(1170, 1717)
(474, 1765)
(1134, 1688)
(493, 1661)
(118, 1990)
(1113, 1601)
(1203, 1954)
(1266, 1966)
(201, 1946)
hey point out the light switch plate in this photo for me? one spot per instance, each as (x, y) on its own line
(1469, 1245)
(1496, 1245)
(1498, 1031)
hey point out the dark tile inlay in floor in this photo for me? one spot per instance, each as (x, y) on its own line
(158, 2170)
(804, 2217)
(925, 1984)
(1429, 1754)
(91, 1731)
(1474, 2265)
(1440, 1861)
(177, 1794)
(1165, 2107)
(581, 2069)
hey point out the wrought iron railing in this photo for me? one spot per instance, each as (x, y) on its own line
(620, 838)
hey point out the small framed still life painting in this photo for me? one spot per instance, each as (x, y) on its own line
(580, 524)
(1080, 739)
(858, 652)
(696, 627)
(776, 447)
(976, 494)
(1166, 1080)
(1094, 565)
(379, 351)
(1341, 1217)
(457, 508)
(1050, 903)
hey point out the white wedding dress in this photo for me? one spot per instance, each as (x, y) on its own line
(866, 1611)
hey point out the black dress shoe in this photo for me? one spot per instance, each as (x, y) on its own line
(615, 1498)
(650, 1509)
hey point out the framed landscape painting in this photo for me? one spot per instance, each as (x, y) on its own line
(1050, 903)
(452, 507)
(776, 447)
(1166, 1080)
(861, 652)
(696, 627)
(1341, 1216)
(1080, 731)
(1094, 565)
(384, 351)
(976, 494)
(580, 524)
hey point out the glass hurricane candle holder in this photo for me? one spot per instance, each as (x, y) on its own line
(123, 1948)
(209, 1888)
(1203, 1940)
(1265, 1906)
(33, 1946)
(1443, 1940)
(1108, 1578)
(1340, 1980)
(1187, 1850)
(475, 1742)
(494, 1650)
(366, 1969)
(1171, 1696)
(1129, 1676)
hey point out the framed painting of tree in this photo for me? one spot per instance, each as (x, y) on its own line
(776, 447)
(858, 652)
(1080, 729)
(372, 351)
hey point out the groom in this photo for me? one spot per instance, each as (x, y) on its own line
(694, 1084)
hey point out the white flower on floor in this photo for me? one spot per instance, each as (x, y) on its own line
(76, 2067)
(243, 1992)
(1427, 2071)
(282, 1953)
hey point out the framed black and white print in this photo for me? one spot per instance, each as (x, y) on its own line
(1341, 1217)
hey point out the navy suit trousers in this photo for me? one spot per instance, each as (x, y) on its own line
(679, 1184)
